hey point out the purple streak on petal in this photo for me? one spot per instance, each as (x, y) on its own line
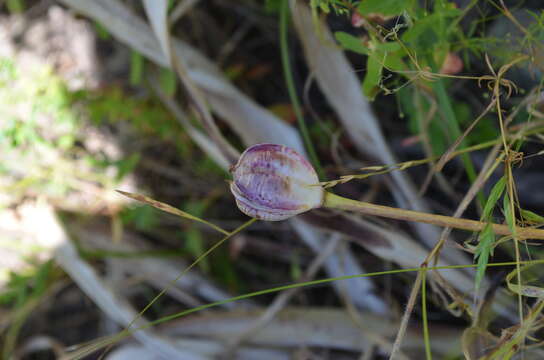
(267, 194)
(271, 150)
(261, 213)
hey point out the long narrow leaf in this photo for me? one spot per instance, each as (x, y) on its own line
(483, 250)
(494, 196)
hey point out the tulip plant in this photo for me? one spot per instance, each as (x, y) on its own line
(273, 182)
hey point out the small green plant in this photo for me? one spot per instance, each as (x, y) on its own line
(22, 293)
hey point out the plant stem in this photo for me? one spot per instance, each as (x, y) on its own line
(337, 202)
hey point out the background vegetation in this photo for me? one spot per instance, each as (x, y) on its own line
(436, 106)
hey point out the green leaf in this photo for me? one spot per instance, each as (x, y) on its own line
(126, 166)
(194, 241)
(144, 218)
(373, 76)
(494, 196)
(296, 270)
(101, 31)
(42, 278)
(438, 136)
(508, 213)
(324, 7)
(532, 217)
(389, 46)
(15, 6)
(384, 7)
(387, 55)
(168, 80)
(429, 31)
(390, 54)
(137, 62)
(194, 244)
(424, 34)
(222, 268)
(272, 6)
(351, 42)
(486, 239)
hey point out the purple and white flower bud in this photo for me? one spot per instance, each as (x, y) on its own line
(274, 182)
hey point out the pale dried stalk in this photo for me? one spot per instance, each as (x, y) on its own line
(337, 202)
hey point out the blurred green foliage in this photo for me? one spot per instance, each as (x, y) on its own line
(338, 6)
(15, 6)
(28, 283)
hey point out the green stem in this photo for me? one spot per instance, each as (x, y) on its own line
(284, 17)
(426, 337)
(337, 202)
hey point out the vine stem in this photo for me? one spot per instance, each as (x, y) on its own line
(338, 202)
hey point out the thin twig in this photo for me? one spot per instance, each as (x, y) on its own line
(406, 317)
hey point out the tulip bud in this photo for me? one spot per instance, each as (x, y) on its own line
(274, 182)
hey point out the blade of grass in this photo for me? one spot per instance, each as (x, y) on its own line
(157, 13)
(426, 337)
(486, 239)
(494, 196)
(136, 68)
(532, 217)
(168, 81)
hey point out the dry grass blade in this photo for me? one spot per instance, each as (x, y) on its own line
(402, 250)
(209, 349)
(322, 327)
(157, 12)
(51, 235)
(406, 317)
(156, 271)
(250, 121)
(181, 9)
(204, 141)
(342, 88)
(524, 290)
